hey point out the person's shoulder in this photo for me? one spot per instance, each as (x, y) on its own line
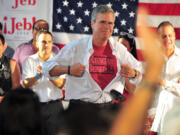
(25, 45)
(85, 39)
(76, 44)
(117, 45)
(6, 58)
(31, 57)
(177, 51)
(9, 48)
(81, 40)
(9, 52)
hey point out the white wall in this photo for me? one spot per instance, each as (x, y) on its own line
(14, 14)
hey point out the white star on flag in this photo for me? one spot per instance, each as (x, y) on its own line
(131, 14)
(59, 10)
(80, 4)
(65, 19)
(124, 6)
(130, 30)
(79, 20)
(123, 22)
(71, 27)
(87, 12)
(72, 12)
(65, 3)
(58, 26)
(94, 4)
(86, 29)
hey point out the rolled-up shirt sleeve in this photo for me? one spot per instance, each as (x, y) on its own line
(64, 57)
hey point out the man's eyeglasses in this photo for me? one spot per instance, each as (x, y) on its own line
(41, 29)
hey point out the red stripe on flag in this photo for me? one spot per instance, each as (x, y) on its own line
(162, 9)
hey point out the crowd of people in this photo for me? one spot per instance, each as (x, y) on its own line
(98, 73)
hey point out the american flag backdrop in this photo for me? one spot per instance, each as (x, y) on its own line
(71, 18)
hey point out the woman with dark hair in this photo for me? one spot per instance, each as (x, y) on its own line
(9, 71)
(129, 42)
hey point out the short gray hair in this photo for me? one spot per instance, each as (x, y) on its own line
(100, 9)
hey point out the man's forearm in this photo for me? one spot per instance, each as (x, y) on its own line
(58, 70)
(74, 70)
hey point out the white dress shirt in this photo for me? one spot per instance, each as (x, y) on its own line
(172, 121)
(84, 87)
(44, 88)
(170, 93)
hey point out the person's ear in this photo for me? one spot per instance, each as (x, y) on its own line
(92, 25)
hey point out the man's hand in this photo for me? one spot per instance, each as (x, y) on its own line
(77, 69)
(127, 72)
(29, 82)
(39, 69)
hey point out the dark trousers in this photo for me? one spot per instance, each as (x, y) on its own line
(107, 106)
(50, 112)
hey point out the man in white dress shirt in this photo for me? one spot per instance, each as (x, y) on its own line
(49, 91)
(169, 86)
(95, 65)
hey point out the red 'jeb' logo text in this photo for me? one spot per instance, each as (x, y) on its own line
(23, 3)
(19, 25)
